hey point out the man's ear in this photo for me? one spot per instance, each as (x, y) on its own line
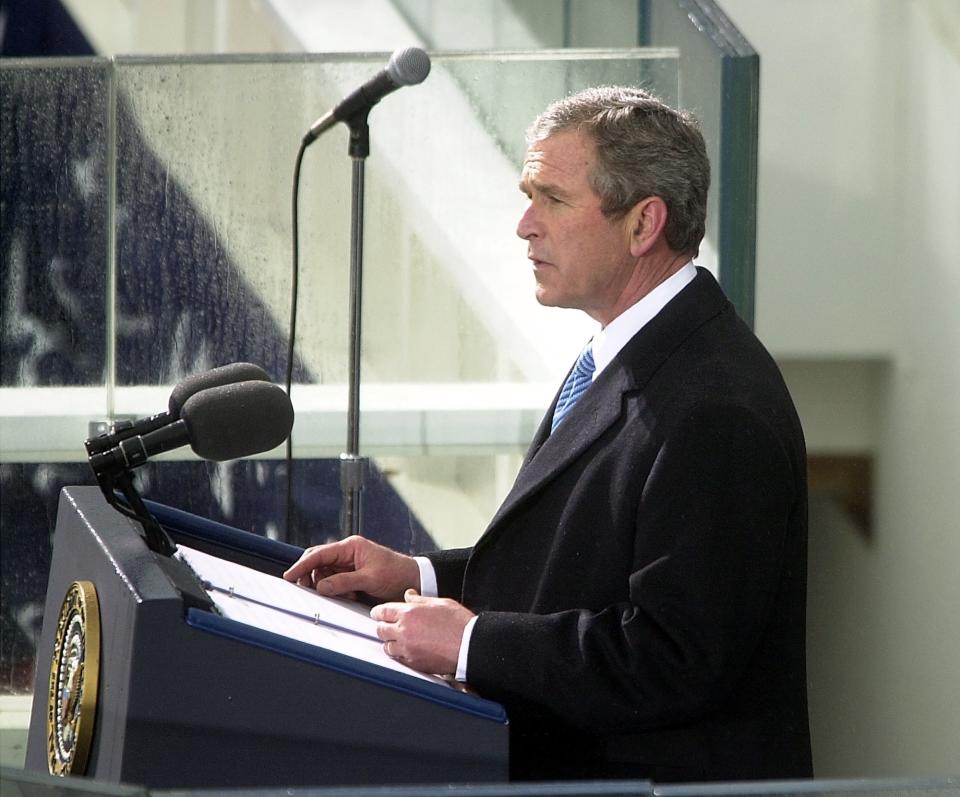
(646, 222)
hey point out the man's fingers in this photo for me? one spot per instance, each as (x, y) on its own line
(381, 573)
(333, 556)
(386, 612)
(423, 633)
(309, 561)
(391, 648)
(386, 615)
(339, 584)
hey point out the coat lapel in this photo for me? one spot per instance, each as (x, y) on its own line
(602, 404)
(595, 412)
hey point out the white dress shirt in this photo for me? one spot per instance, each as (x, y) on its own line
(606, 344)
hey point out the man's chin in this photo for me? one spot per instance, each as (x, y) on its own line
(544, 299)
(548, 299)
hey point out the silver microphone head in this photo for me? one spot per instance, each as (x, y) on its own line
(408, 66)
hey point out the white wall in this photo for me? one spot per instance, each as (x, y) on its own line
(859, 260)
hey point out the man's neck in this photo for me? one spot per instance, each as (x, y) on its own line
(649, 273)
(608, 341)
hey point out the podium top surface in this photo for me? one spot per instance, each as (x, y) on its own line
(83, 510)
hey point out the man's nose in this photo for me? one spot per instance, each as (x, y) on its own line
(527, 227)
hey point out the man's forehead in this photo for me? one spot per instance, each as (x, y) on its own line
(564, 153)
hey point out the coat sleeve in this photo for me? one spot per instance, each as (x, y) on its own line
(449, 566)
(713, 518)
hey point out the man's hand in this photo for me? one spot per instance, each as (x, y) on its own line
(423, 633)
(353, 566)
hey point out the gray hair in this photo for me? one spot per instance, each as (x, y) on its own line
(644, 148)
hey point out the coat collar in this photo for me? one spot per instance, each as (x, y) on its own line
(602, 404)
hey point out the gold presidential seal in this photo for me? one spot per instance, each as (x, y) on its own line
(74, 677)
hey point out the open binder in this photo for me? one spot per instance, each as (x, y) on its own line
(192, 695)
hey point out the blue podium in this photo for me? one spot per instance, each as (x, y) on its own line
(140, 681)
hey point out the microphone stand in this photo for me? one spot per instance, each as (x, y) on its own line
(353, 467)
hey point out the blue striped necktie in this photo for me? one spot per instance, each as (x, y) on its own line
(576, 385)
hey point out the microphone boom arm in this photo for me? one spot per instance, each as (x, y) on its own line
(153, 533)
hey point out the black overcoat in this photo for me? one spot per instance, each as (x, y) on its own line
(641, 591)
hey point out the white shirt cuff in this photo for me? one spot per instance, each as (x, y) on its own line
(428, 577)
(464, 650)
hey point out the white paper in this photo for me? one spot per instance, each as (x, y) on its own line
(281, 607)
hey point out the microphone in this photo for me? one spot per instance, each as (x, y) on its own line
(226, 422)
(407, 67)
(224, 375)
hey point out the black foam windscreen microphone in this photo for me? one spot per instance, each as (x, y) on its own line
(238, 420)
(183, 390)
(407, 67)
(226, 422)
(224, 375)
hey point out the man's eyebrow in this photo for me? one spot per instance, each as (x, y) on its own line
(528, 185)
